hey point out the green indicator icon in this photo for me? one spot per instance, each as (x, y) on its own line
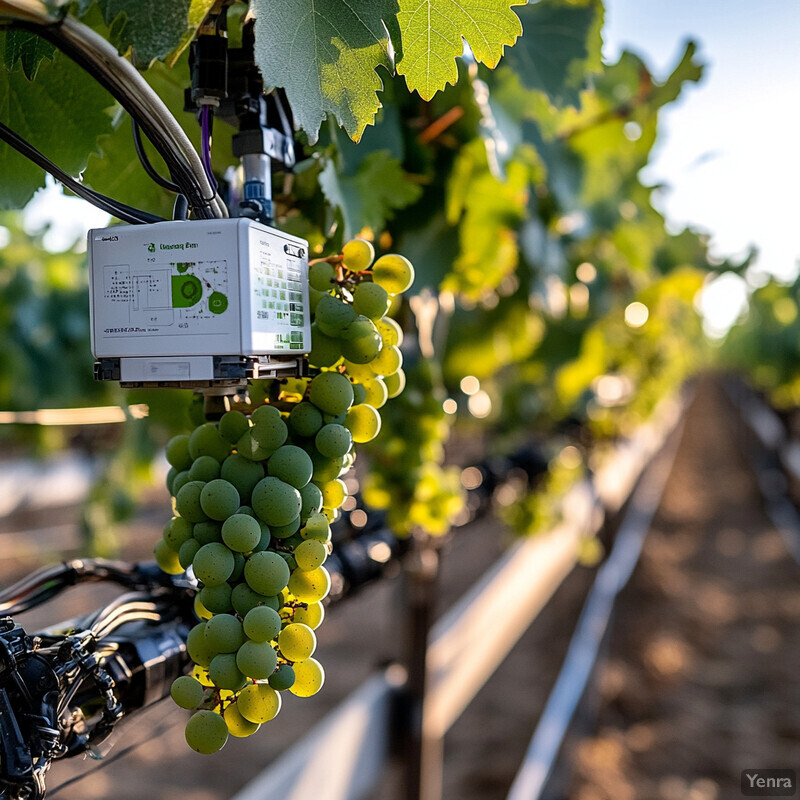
(186, 291)
(217, 303)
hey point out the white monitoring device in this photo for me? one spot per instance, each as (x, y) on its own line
(202, 304)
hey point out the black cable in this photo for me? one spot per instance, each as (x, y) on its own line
(170, 186)
(178, 169)
(181, 208)
(122, 211)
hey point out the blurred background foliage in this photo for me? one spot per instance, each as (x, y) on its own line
(552, 304)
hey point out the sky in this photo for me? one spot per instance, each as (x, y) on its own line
(729, 149)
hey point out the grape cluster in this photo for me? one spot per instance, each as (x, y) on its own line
(407, 478)
(254, 495)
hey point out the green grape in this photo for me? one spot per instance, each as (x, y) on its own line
(219, 499)
(297, 642)
(264, 413)
(178, 452)
(321, 275)
(285, 531)
(187, 553)
(317, 527)
(310, 554)
(213, 564)
(359, 372)
(331, 393)
(387, 362)
(266, 573)
(177, 531)
(311, 615)
(266, 537)
(390, 331)
(333, 315)
(224, 633)
(314, 296)
(243, 473)
(204, 469)
(206, 732)
(311, 497)
(207, 532)
(217, 599)
(224, 672)
(311, 586)
(360, 341)
(258, 703)
(198, 648)
(262, 624)
(357, 254)
(325, 350)
(171, 479)
(292, 465)
(237, 725)
(238, 566)
(308, 678)
(207, 441)
(363, 422)
(233, 425)
(241, 533)
(333, 493)
(257, 660)
(377, 393)
(179, 481)
(187, 692)
(325, 469)
(333, 441)
(395, 383)
(247, 447)
(269, 430)
(282, 678)
(167, 558)
(200, 611)
(187, 502)
(359, 394)
(334, 419)
(244, 599)
(393, 272)
(276, 502)
(371, 300)
(305, 419)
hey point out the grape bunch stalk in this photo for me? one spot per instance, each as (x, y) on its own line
(254, 496)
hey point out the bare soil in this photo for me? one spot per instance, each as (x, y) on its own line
(701, 679)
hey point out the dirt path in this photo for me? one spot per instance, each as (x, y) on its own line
(703, 676)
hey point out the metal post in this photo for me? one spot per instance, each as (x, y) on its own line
(422, 758)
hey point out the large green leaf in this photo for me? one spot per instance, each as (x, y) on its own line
(151, 28)
(26, 49)
(560, 46)
(61, 113)
(370, 196)
(432, 32)
(325, 53)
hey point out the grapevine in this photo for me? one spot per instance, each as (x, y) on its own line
(254, 495)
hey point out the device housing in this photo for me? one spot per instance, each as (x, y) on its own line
(199, 304)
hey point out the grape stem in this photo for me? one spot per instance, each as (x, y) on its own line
(335, 260)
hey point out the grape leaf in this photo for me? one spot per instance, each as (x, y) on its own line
(560, 45)
(369, 197)
(25, 48)
(198, 11)
(151, 28)
(325, 53)
(61, 113)
(432, 33)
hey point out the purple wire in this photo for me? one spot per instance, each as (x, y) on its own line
(205, 144)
